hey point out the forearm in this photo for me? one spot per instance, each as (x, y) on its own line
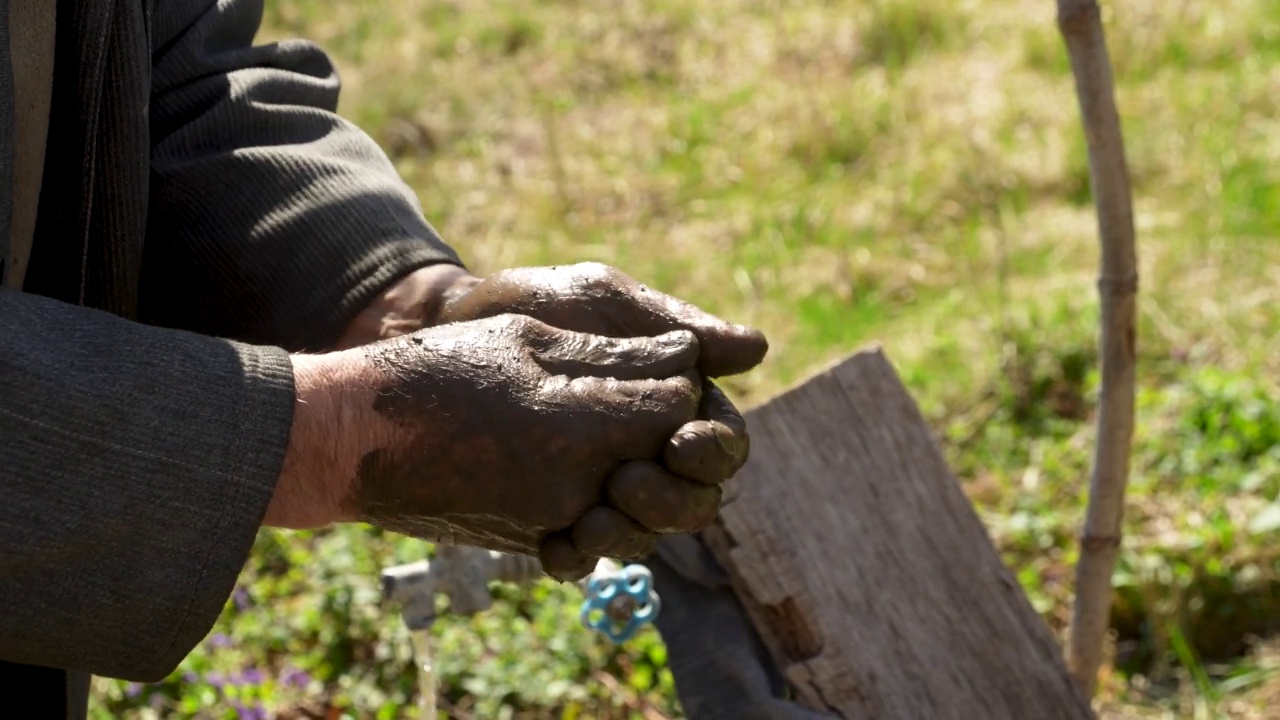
(332, 428)
(331, 421)
(137, 465)
(272, 219)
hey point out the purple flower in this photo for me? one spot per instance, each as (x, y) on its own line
(190, 677)
(241, 598)
(295, 678)
(216, 679)
(252, 676)
(133, 690)
(252, 712)
(219, 640)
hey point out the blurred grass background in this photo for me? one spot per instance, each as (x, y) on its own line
(839, 172)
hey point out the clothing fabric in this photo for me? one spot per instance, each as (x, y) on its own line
(203, 210)
(200, 211)
(32, 68)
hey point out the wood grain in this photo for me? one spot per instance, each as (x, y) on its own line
(867, 571)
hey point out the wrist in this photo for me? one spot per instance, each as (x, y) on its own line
(412, 303)
(317, 482)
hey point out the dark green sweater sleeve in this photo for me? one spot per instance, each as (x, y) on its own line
(272, 220)
(136, 464)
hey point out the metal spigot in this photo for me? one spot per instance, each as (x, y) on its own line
(619, 600)
(460, 573)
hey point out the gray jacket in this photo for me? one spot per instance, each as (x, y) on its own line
(194, 188)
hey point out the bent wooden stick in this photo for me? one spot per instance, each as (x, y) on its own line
(1080, 22)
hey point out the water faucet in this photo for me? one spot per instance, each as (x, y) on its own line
(619, 600)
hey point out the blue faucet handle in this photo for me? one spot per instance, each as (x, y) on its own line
(620, 602)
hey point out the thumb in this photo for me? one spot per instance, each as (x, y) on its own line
(642, 358)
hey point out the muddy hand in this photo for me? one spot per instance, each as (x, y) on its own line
(595, 298)
(598, 299)
(509, 434)
(678, 491)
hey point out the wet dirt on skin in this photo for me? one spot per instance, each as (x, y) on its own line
(596, 298)
(499, 446)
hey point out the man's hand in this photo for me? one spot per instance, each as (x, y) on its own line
(503, 433)
(595, 298)
(587, 297)
(590, 298)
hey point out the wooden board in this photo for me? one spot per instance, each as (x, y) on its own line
(867, 571)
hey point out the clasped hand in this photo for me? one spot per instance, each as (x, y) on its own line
(560, 411)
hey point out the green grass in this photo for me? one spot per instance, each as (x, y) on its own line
(909, 172)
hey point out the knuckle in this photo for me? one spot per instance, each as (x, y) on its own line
(526, 327)
(671, 407)
(686, 395)
(592, 269)
(519, 323)
(683, 336)
(596, 277)
(505, 321)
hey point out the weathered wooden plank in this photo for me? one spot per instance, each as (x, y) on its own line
(867, 571)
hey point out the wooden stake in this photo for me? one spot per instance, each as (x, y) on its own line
(1080, 22)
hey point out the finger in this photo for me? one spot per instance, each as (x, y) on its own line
(637, 417)
(713, 448)
(727, 348)
(605, 532)
(562, 561)
(588, 355)
(661, 501)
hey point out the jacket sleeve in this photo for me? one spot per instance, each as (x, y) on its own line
(272, 219)
(136, 465)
